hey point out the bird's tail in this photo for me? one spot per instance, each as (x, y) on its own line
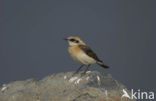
(102, 64)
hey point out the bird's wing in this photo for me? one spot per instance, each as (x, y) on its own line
(89, 52)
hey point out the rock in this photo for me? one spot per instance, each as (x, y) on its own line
(93, 86)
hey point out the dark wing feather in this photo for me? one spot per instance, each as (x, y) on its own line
(89, 52)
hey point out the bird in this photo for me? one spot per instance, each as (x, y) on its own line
(82, 53)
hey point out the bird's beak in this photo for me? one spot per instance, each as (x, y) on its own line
(66, 39)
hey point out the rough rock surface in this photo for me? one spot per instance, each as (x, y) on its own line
(93, 86)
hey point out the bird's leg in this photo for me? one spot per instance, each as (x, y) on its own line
(77, 70)
(86, 69)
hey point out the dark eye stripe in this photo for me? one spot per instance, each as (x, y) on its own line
(73, 40)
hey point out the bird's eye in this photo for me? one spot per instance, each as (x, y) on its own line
(76, 41)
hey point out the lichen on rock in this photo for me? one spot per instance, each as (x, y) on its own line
(93, 86)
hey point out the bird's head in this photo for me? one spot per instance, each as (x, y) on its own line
(74, 40)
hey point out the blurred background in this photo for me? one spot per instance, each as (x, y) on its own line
(121, 32)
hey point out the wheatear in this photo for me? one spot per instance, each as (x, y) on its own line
(82, 53)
